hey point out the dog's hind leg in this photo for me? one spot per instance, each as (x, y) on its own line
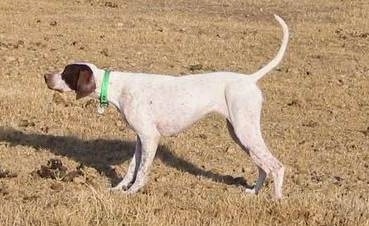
(244, 108)
(262, 174)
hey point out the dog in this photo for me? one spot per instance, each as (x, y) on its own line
(163, 105)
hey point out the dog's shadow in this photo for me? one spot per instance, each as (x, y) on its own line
(101, 153)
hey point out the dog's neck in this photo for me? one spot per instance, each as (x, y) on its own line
(114, 88)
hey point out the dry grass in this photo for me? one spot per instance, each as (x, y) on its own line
(315, 117)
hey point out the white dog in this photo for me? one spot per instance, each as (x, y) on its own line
(161, 105)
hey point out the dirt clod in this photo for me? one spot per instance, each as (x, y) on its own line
(53, 23)
(4, 190)
(365, 132)
(56, 186)
(4, 173)
(56, 164)
(46, 172)
(294, 102)
(69, 177)
(57, 171)
(26, 123)
(105, 52)
(111, 4)
(195, 67)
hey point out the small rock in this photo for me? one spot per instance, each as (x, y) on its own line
(26, 123)
(311, 123)
(45, 129)
(203, 136)
(168, 194)
(45, 172)
(340, 81)
(90, 104)
(365, 132)
(20, 43)
(195, 67)
(30, 198)
(111, 4)
(69, 177)
(53, 170)
(53, 23)
(3, 189)
(105, 52)
(56, 164)
(7, 174)
(294, 102)
(56, 186)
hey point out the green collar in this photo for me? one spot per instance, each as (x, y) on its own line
(104, 90)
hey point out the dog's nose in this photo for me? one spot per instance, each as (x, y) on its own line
(46, 77)
(48, 80)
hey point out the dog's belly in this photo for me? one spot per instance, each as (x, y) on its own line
(173, 126)
(168, 129)
(173, 119)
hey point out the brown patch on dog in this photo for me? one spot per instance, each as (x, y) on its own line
(80, 79)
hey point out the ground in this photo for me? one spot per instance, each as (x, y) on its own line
(315, 115)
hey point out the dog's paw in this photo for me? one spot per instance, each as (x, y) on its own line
(116, 189)
(121, 187)
(250, 191)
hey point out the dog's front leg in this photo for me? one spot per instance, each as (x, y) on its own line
(130, 176)
(149, 147)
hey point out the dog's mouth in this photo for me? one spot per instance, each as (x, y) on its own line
(49, 81)
(54, 82)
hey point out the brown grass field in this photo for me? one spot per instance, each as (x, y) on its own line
(315, 116)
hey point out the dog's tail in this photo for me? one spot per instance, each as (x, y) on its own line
(278, 58)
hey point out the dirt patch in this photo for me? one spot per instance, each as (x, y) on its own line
(55, 170)
(4, 173)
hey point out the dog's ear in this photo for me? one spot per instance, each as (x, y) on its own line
(85, 84)
(79, 77)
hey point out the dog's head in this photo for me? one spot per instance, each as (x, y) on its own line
(76, 77)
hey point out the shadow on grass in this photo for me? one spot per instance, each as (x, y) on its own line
(101, 153)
